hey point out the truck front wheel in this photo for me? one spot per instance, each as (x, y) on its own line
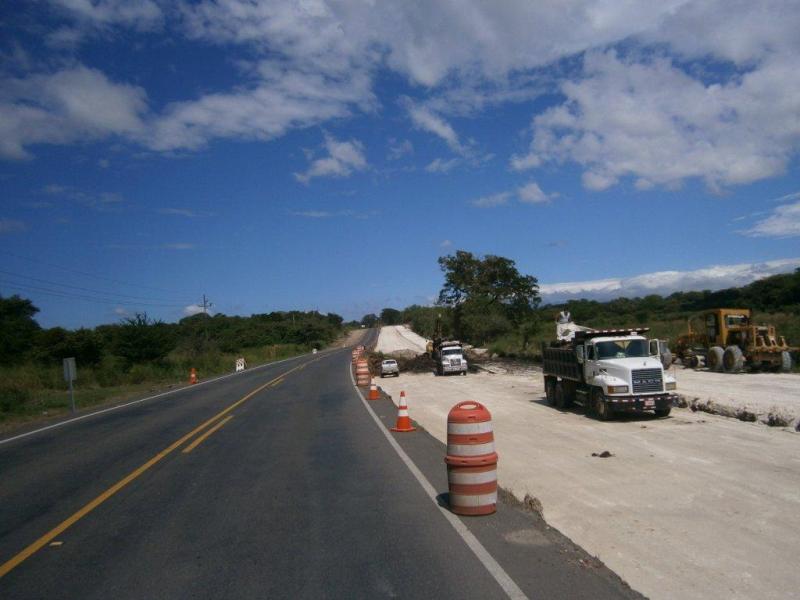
(662, 412)
(602, 407)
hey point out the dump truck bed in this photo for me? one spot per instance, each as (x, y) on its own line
(561, 362)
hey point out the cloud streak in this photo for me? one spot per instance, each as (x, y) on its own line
(666, 282)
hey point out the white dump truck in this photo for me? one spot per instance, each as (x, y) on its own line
(450, 358)
(607, 371)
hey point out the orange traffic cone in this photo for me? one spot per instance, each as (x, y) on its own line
(193, 376)
(403, 420)
(373, 392)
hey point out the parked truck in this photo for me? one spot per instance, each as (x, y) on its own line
(729, 341)
(608, 371)
(450, 358)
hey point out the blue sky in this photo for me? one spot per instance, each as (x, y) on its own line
(322, 155)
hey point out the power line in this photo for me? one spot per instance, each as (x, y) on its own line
(76, 287)
(86, 274)
(96, 300)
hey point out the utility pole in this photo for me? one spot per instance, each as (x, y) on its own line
(206, 305)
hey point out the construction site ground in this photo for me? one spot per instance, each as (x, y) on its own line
(696, 505)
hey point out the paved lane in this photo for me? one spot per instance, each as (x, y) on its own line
(294, 492)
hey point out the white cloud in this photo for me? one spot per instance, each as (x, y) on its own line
(424, 119)
(445, 244)
(101, 201)
(666, 282)
(73, 104)
(400, 148)
(784, 221)
(651, 120)
(440, 165)
(178, 246)
(343, 158)
(140, 14)
(283, 99)
(325, 214)
(182, 212)
(655, 123)
(192, 309)
(12, 226)
(492, 201)
(531, 193)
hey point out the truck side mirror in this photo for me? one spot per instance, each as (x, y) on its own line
(654, 348)
(579, 353)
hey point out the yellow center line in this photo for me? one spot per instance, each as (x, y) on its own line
(276, 383)
(48, 537)
(200, 438)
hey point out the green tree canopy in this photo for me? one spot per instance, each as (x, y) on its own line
(488, 295)
(18, 330)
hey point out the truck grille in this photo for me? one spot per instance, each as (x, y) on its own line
(647, 380)
(456, 362)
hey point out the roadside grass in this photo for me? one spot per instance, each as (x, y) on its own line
(34, 392)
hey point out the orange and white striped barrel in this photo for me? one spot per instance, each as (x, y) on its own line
(362, 372)
(471, 460)
(356, 353)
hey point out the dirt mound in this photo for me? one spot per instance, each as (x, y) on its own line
(417, 364)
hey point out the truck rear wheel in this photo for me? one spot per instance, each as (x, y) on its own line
(550, 390)
(714, 359)
(786, 361)
(733, 359)
(560, 400)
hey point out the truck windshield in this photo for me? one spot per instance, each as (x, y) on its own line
(622, 349)
(451, 351)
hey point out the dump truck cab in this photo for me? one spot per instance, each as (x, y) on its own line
(608, 372)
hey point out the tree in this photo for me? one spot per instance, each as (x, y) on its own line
(369, 320)
(490, 286)
(18, 329)
(391, 316)
(140, 339)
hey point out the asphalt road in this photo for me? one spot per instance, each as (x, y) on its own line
(289, 489)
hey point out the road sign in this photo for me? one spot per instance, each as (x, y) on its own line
(70, 370)
(70, 375)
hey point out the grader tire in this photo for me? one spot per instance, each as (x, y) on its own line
(786, 361)
(733, 359)
(714, 359)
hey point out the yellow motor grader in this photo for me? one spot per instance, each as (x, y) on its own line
(730, 342)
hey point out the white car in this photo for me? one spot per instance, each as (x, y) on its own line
(390, 367)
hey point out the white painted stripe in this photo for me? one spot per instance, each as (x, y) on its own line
(472, 500)
(470, 449)
(140, 400)
(509, 586)
(471, 478)
(402, 412)
(467, 428)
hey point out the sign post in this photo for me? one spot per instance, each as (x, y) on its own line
(70, 375)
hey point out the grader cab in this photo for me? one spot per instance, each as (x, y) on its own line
(728, 341)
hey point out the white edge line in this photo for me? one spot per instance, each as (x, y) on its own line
(509, 586)
(140, 400)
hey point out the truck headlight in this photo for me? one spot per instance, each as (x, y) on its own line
(671, 385)
(618, 389)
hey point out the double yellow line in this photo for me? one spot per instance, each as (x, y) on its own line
(15, 561)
